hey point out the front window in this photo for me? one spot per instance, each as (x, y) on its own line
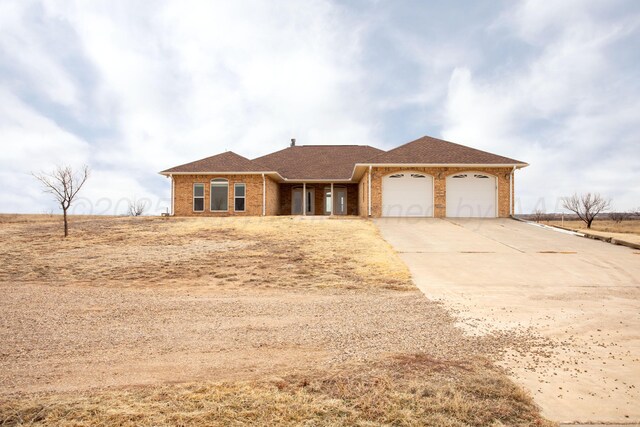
(239, 197)
(198, 197)
(327, 200)
(219, 194)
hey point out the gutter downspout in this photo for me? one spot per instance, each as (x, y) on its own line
(513, 171)
(369, 191)
(264, 195)
(173, 185)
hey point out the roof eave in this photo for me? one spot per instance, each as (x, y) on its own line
(517, 165)
(328, 180)
(169, 173)
(440, 165)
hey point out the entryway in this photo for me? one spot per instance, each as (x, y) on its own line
(297, 201)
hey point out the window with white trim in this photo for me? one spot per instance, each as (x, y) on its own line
(397, 175)
(219, 194)
(418, 175)
(239, 197)
(460, 176)
(481, 176)
(198, 197)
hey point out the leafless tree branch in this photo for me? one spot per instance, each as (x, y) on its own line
(619, 216)
(539, 215)
(64, 184)
(137, 207)
(586, 206)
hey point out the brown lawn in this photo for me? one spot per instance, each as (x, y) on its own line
(156, 321)
(628, 226)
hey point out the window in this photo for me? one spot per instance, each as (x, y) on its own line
(397, 175)
(327, 200)
(238, 197)
(219, 194)
(198, 197)
(459, 176)
(481, 176)
(417, 175)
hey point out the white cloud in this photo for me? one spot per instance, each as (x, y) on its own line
(565, 113)
(177, 81)
(134, 88)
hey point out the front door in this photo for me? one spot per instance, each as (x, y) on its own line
(340, 204)
(297, 201)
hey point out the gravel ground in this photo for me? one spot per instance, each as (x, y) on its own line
(148, 301)
(60, 339)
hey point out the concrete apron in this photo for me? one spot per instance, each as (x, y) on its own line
(507, 275)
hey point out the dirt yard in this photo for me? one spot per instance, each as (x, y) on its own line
(149, 321)
(623, 227)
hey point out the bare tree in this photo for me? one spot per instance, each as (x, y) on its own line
(618, 217)
(137, 207)
(539, 215)
(636, 211)
(586, 206)
(64, 184)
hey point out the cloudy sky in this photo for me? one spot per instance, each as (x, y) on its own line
(132, 88)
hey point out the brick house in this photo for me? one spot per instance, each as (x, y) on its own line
(427, 177)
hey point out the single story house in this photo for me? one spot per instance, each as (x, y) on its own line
(427, 177)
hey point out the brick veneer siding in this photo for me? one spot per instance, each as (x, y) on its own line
(285, 198)
(439, 185)
(183, 194)
(273, 197)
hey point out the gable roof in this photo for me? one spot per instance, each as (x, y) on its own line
(343, 162)
(224, 162)
(318, 161)
(428, 150)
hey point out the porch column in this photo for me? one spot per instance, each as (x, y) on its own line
(332, 201)
(304, 198)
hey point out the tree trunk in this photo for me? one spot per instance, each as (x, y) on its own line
(66, 226)
(589, 223)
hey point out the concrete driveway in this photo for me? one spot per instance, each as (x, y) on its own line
(584, 295)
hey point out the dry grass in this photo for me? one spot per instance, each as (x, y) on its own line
(407, 390)
(223, 252)
(130, 301)
(628, 227)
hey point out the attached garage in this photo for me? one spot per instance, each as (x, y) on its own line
(407, 194)
(471, 195)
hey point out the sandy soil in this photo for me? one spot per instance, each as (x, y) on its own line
(144, 301)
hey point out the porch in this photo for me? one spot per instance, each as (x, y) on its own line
(319, 198)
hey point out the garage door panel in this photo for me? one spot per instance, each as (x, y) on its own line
(407, 194)
(471, 195)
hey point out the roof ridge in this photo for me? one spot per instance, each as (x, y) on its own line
(427, 138)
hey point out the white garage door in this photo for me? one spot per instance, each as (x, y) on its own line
(471, 194)
(407, 194)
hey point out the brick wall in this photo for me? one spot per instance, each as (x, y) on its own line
(273, 197)
(440, 192)
(278, 200)
(183, 193)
